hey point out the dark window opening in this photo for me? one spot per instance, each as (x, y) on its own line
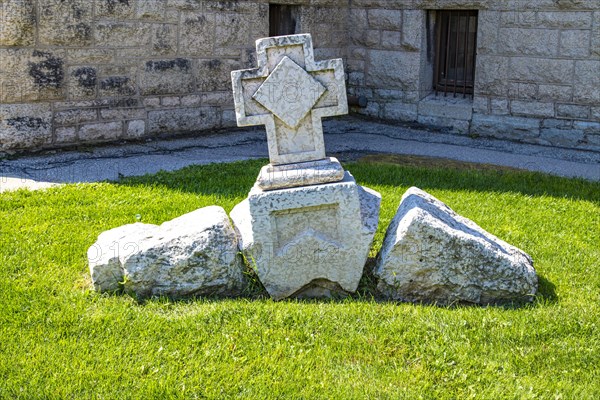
(283, 19)
(455, 49)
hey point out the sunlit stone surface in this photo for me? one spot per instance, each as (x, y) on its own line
(306, 226)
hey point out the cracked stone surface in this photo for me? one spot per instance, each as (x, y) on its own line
(192, 255)
(300, 174)
(289, 92)
(309, 241)
(303, 225)
(431, 254)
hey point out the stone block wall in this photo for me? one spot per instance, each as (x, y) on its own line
(89, 71)
(537, 77)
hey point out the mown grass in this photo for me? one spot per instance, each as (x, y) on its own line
(59, 339)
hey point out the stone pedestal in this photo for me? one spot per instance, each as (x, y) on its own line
(308, 241)
(300, 174)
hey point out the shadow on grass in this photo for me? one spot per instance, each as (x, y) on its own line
(236, 179)
(433, 173)
(367, 292)
(232, 180)
(546, 290)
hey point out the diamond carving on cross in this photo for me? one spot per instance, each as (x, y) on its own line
(290, 93)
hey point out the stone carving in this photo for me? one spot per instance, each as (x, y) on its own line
(300, 174)
(307, 241)
(431, 254)
(195, 254)
(290, 93)
(306, 225)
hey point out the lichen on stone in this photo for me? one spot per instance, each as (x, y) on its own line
(49, 72)
(86, 76)
(163, 65)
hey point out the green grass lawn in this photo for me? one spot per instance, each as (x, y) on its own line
(59, 339)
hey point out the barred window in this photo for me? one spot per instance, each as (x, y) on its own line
(283, 19)
(456, 43)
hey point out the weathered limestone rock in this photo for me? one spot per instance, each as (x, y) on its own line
(306, 226)
(182, 119)
(167, 76)
(392, 69)
(432, 254)
(290, 93)
(300, 174)
(65, 23)
(30, 76)
(193, 255)
(18, 22)
(308, 241)
(25, 125)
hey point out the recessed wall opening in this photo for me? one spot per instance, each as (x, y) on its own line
(454, 49)
(284, 19)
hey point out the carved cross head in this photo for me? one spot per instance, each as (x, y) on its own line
(289, 93)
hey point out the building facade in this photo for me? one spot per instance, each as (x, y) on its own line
(90, 71)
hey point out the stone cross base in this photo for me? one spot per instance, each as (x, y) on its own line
(300, 174)
(308, 241)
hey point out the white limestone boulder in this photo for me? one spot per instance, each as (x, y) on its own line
(310, 241)
(193, 255)
(431, 254)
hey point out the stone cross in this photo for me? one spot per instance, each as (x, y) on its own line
(306, 225)
(290, 93)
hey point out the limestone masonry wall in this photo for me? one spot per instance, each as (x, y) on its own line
(89, 71)
(86, 71)
(537, 76)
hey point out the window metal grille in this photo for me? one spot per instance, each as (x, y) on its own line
(456, 43)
